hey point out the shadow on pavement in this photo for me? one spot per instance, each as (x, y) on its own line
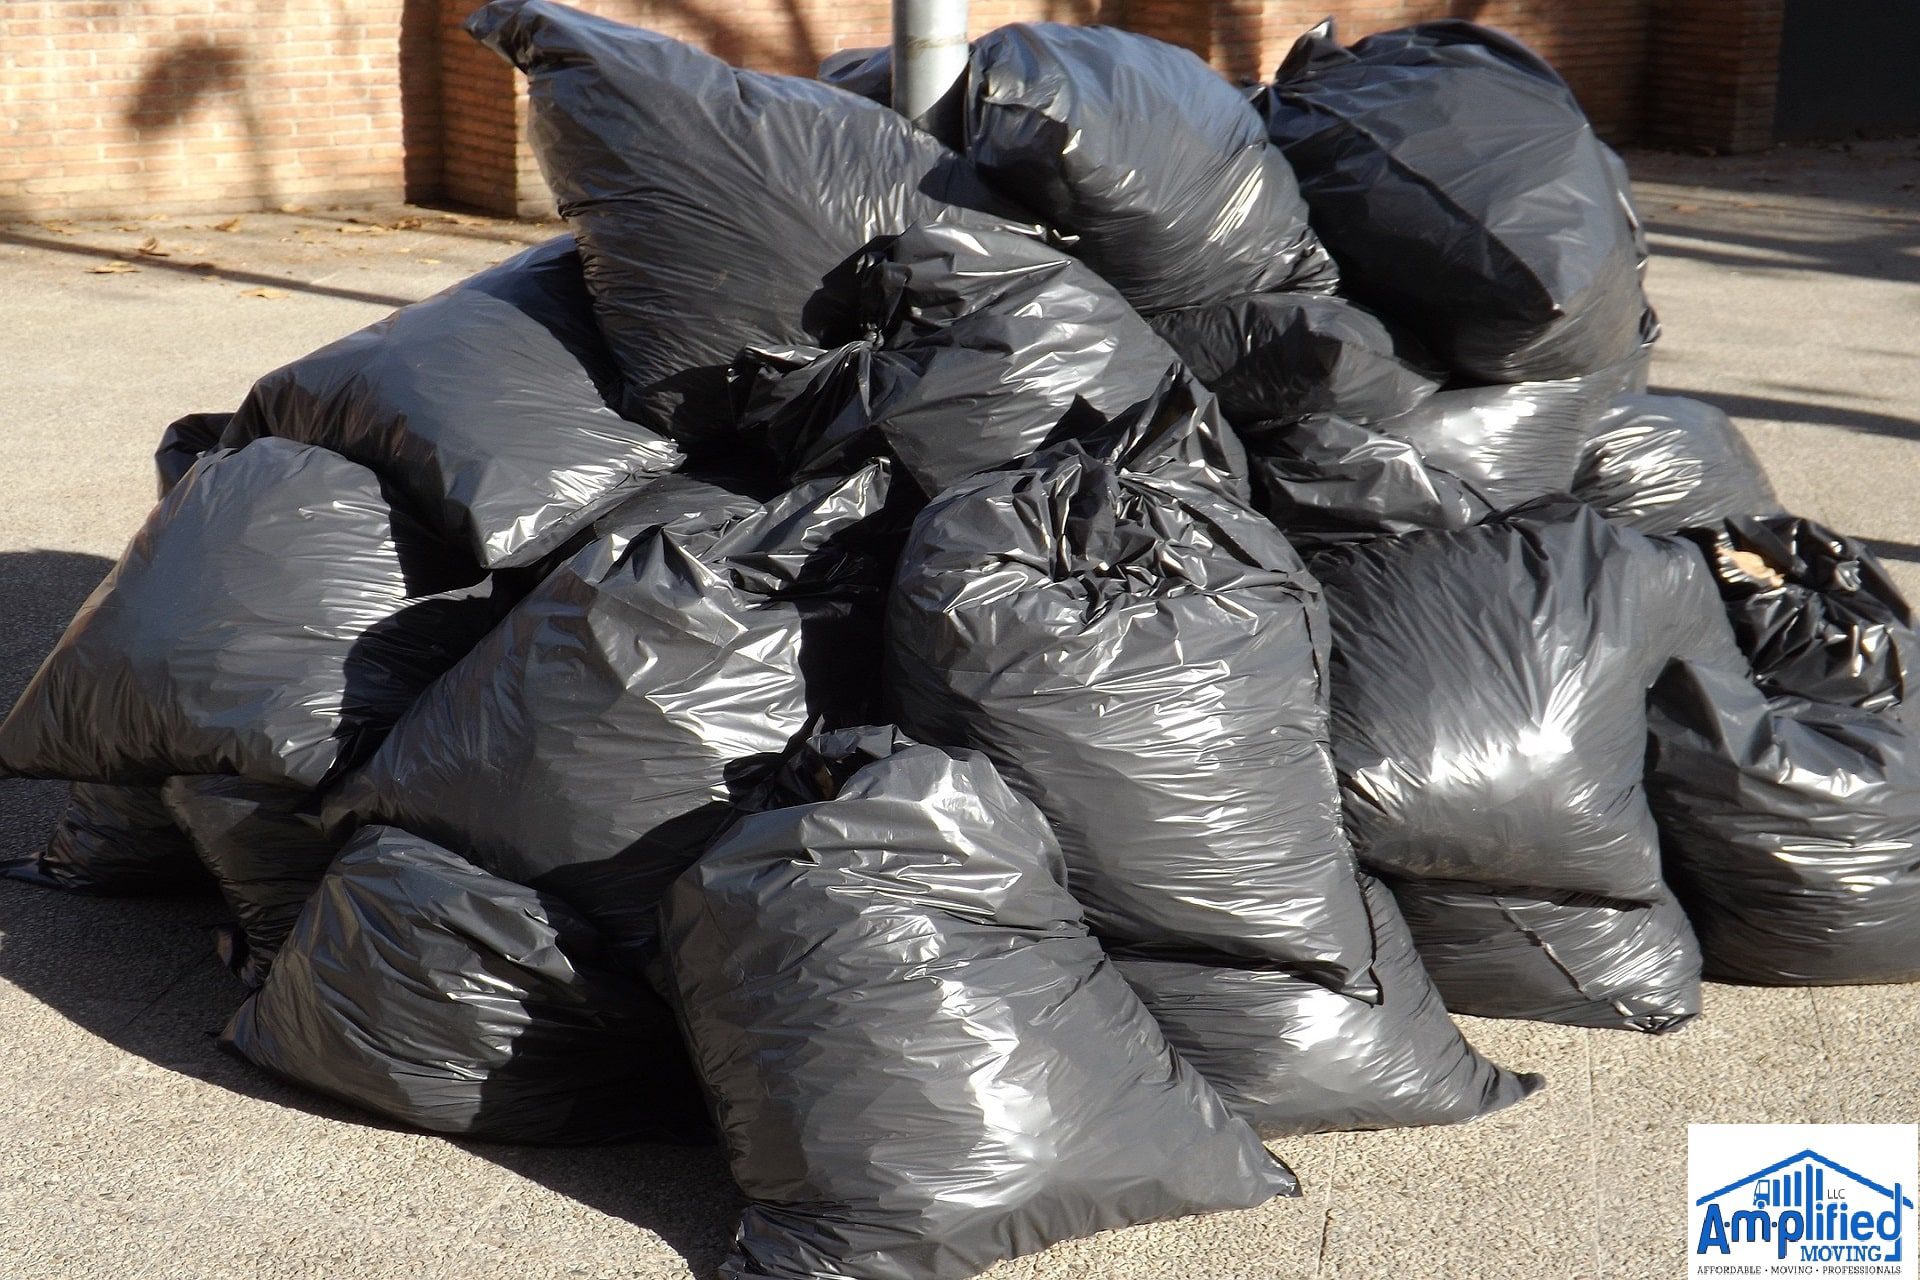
(140, 973)
(1774, 409)
(215, 269)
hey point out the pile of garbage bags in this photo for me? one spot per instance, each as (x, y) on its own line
(993, 672)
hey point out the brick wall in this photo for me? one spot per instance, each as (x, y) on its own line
(112, 106)
(1712, 75)
(204, 105)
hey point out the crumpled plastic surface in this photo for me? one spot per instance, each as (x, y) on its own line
(271, 619)
(264, 847)
(867, 72)
(1156, 165)
(182, 443)
(593, 743)
(1463, 193)
(1665, 463)
(1294, 1057)
(920, 1061)
(1489, 693)
(1791, 828)
(1814, 611)
(1556, 955)
(113, 841)
(1324, 480)
(1513, 444)
(1278, 357)
(424, 990)
(987, 346)
(1144, 660)
(715, 208)
(485, 407)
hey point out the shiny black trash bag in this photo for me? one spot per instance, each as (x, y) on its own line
(1152, 161)
(1551, 955)
(272, 618)
(920, 1061)
(113, 841)
(1465, 195)
(985, 347)
(1324, 480)
(484, 407)
(424, 990)
(1489, 692)
(867, 72)
(1665, 463)
(1815, 612)
(592, 744)
(1278, 357)
(1294, 1057)
(1144, 659)
(182, 443)
(264, 847)
(1513, 443)
(715, 208)
(1791, 831)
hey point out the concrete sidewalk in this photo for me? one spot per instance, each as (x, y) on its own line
(131, 1148)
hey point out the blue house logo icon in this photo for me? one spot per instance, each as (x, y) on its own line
(1806, 1208)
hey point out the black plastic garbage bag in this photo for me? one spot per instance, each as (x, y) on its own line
(271, 619)
(1665, 463)
(1325, 480)
(182, 443)
(1814, 611)
(484, 406)
(1143, 659)
(1791, 831)
(264, 847)
(1158, 166)
(592, 744)
(1556, 955)
(1514, 443)
(920, 1061)
(113, 841)
(1278, 357)
(715, 208)
(426, 991)
(1489, 722)
(987, 346)
(1464, 194)
(866, 72)
(1297, 1058)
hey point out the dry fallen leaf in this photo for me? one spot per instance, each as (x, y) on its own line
(150, 248)
(1753, 566)
(431, 262)
(129, 226)
(115, 267)
(61, 228)
(203, 266)
(359, 229)
(408, 223)
(231, 224)
(1686, 208)
(270, 294)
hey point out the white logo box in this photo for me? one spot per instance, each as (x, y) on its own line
(1824, 1200)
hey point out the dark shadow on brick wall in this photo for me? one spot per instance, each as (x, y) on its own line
(182, 79)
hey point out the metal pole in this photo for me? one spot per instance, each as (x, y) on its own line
(929, 58)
